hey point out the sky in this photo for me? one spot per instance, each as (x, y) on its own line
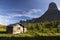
(12, 11)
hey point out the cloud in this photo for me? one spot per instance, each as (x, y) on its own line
(2, 16)
(19, 12)
(29, 13)
(33, 13)
(6, 20)
(13, 17)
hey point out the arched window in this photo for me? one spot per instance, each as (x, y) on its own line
(18, 28)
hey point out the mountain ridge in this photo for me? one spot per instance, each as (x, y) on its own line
(52, 14)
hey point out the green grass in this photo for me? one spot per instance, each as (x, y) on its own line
(29, 35)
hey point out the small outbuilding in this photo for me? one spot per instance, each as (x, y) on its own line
(16, 28)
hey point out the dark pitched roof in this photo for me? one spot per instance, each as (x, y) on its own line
(11, 25)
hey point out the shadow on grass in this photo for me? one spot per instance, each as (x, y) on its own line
(30, 38)
(3, 32)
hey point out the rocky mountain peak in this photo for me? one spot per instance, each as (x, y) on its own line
(52, 14)
(52, 6)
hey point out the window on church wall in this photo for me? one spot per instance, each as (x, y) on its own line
(18, 28)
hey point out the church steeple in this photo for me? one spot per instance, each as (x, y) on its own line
(52, 6)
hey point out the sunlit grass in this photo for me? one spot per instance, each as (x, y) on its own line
(29, 33)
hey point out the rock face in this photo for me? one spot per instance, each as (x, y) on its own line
(52, 14)
(52, 6)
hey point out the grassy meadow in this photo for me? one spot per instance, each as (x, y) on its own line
(36, 31)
